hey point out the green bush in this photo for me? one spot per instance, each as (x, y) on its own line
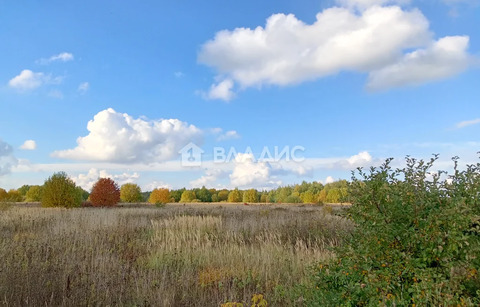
(416, 240)
(60, 191)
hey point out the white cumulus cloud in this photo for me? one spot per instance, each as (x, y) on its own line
(248, 173)
(29, 145)
(86, 181)
(374, 39)
(28, 80)
(209, 179)
(118, 137)
(444, 58)
(222, 90)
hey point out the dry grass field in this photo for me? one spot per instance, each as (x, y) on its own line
(178, 255)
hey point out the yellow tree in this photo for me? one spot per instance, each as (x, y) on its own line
(159, 196)
(234, 196)
(250, 196)
(130, 193)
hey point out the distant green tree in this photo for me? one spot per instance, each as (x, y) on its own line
(204, 195)
(250, 196)
(176, 195)
(60, 191)
(234, 196)
(83, 193)
(130, 193)
(223, 195)
(23, 190)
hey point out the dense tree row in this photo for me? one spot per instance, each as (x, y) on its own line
(60, 189)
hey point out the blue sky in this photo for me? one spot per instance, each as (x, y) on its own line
(117, 88)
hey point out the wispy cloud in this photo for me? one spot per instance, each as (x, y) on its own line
(61, 57)
(83, 87)
(467, 123)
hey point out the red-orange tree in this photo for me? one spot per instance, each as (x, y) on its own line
(105, 192)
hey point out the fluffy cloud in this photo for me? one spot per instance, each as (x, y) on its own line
(156, 185)
(360, 159)
(118, 137)
(224, 136)
(62, 57)
(222, 91)
(209, 179)
(29, 145)
(87, 180)
(250, 174)
(7, 160)
(467, 123)
(444, 58)
(29, 80)
(371, 40)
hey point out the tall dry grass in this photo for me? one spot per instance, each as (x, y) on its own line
(173, 256)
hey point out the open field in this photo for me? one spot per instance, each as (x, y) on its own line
(178, 255)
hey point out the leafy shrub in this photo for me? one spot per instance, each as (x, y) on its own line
(292, 199)
(130, 193)
(105, 192)
(60, 191)
(14, 196)
(159, 196)
(416, 242)
(34, 193)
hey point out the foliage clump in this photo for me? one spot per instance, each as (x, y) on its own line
(105, 192)
(159, 196)
(130, 193)
(60, 191)
(416, 242)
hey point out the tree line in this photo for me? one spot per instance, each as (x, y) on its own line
(61, 184)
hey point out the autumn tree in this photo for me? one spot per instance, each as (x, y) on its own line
(159, 196)
(60, 191)
(130, 193)
(14, 196)
(234, 196)
(105, 192)
(250, 196)
(3, 194)
(187, 196)
(34, 193)
(223, 195)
